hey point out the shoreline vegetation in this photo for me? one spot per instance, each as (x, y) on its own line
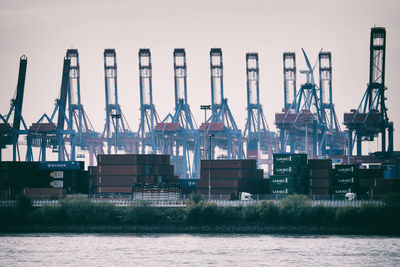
(293, 216)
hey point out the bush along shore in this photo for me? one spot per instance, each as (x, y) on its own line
(293, 216)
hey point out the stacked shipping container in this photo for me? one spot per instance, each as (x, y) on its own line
(229, 177)
(290, 174)
(345, 179)
(320, 176)
(42, 179)
(119, 173)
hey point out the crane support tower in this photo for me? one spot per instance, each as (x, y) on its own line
(177, 133)
(46, 133)
(221, 124)
(87, 139)
(335, 138)
(257, 134)
(119, 134)
(289, 79)
(148, 115)
(370, 118)
(9, 134)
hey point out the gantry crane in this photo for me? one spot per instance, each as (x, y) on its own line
(257, 134)
(309, 117)
(86, 137)
(221, 125)
(179, 131)
(148, 115)
(46, 133)
(370, 118)
(119, 135)
(9, 134)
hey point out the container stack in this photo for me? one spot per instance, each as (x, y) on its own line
(229, 177)
(320, 176)
(51, 179)
(290, 174)
(345, 179)
(117, 174)
(366, 180)
(386, 185)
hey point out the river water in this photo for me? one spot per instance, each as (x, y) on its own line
(196, 250)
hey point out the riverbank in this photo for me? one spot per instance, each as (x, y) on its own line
(197, 229)
(292, 216)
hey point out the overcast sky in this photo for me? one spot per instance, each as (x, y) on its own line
(44, 30)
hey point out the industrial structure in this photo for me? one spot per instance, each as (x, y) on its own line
(116, 130)
(148, 114)
(220, 126)
(308, 122)
(177, 134)
(9, 134)
(370, 118)
(257, 134)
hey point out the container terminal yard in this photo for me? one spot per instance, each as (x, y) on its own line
(170, 157)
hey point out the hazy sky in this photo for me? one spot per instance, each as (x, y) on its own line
(44, 30)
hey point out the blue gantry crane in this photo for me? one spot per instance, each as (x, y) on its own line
(221, 124)
(309, 113)
(177, 133)
(9, 134)
(370, 118)
(46, 133)
(335, 137)
(257, 134)
(148, 115)
(117, 132)
(87, 139)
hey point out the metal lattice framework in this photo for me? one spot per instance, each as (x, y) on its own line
(177, 134)
(257, 134)
(221, 123)
(116, 129)
(9, 134)
(148, 115)
(370, 118)
(309, 113)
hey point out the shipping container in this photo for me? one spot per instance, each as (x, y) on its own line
(325, 183)
(115, 190)
(290, 159)
(281, 180)
(341, 190)
(319, 191)
(126, 159)
(320, 173)
(228, 173)
(319, 163)
(44, 193)
(116, 180)
(220, 183)
(229, 164)
(120, 170)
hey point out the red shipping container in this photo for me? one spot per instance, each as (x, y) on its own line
(116, 180)
(225, 183)
(45, 192)
(227, 173)
(120, 170)
(126, 159)
(115, 190)
(229, 164)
